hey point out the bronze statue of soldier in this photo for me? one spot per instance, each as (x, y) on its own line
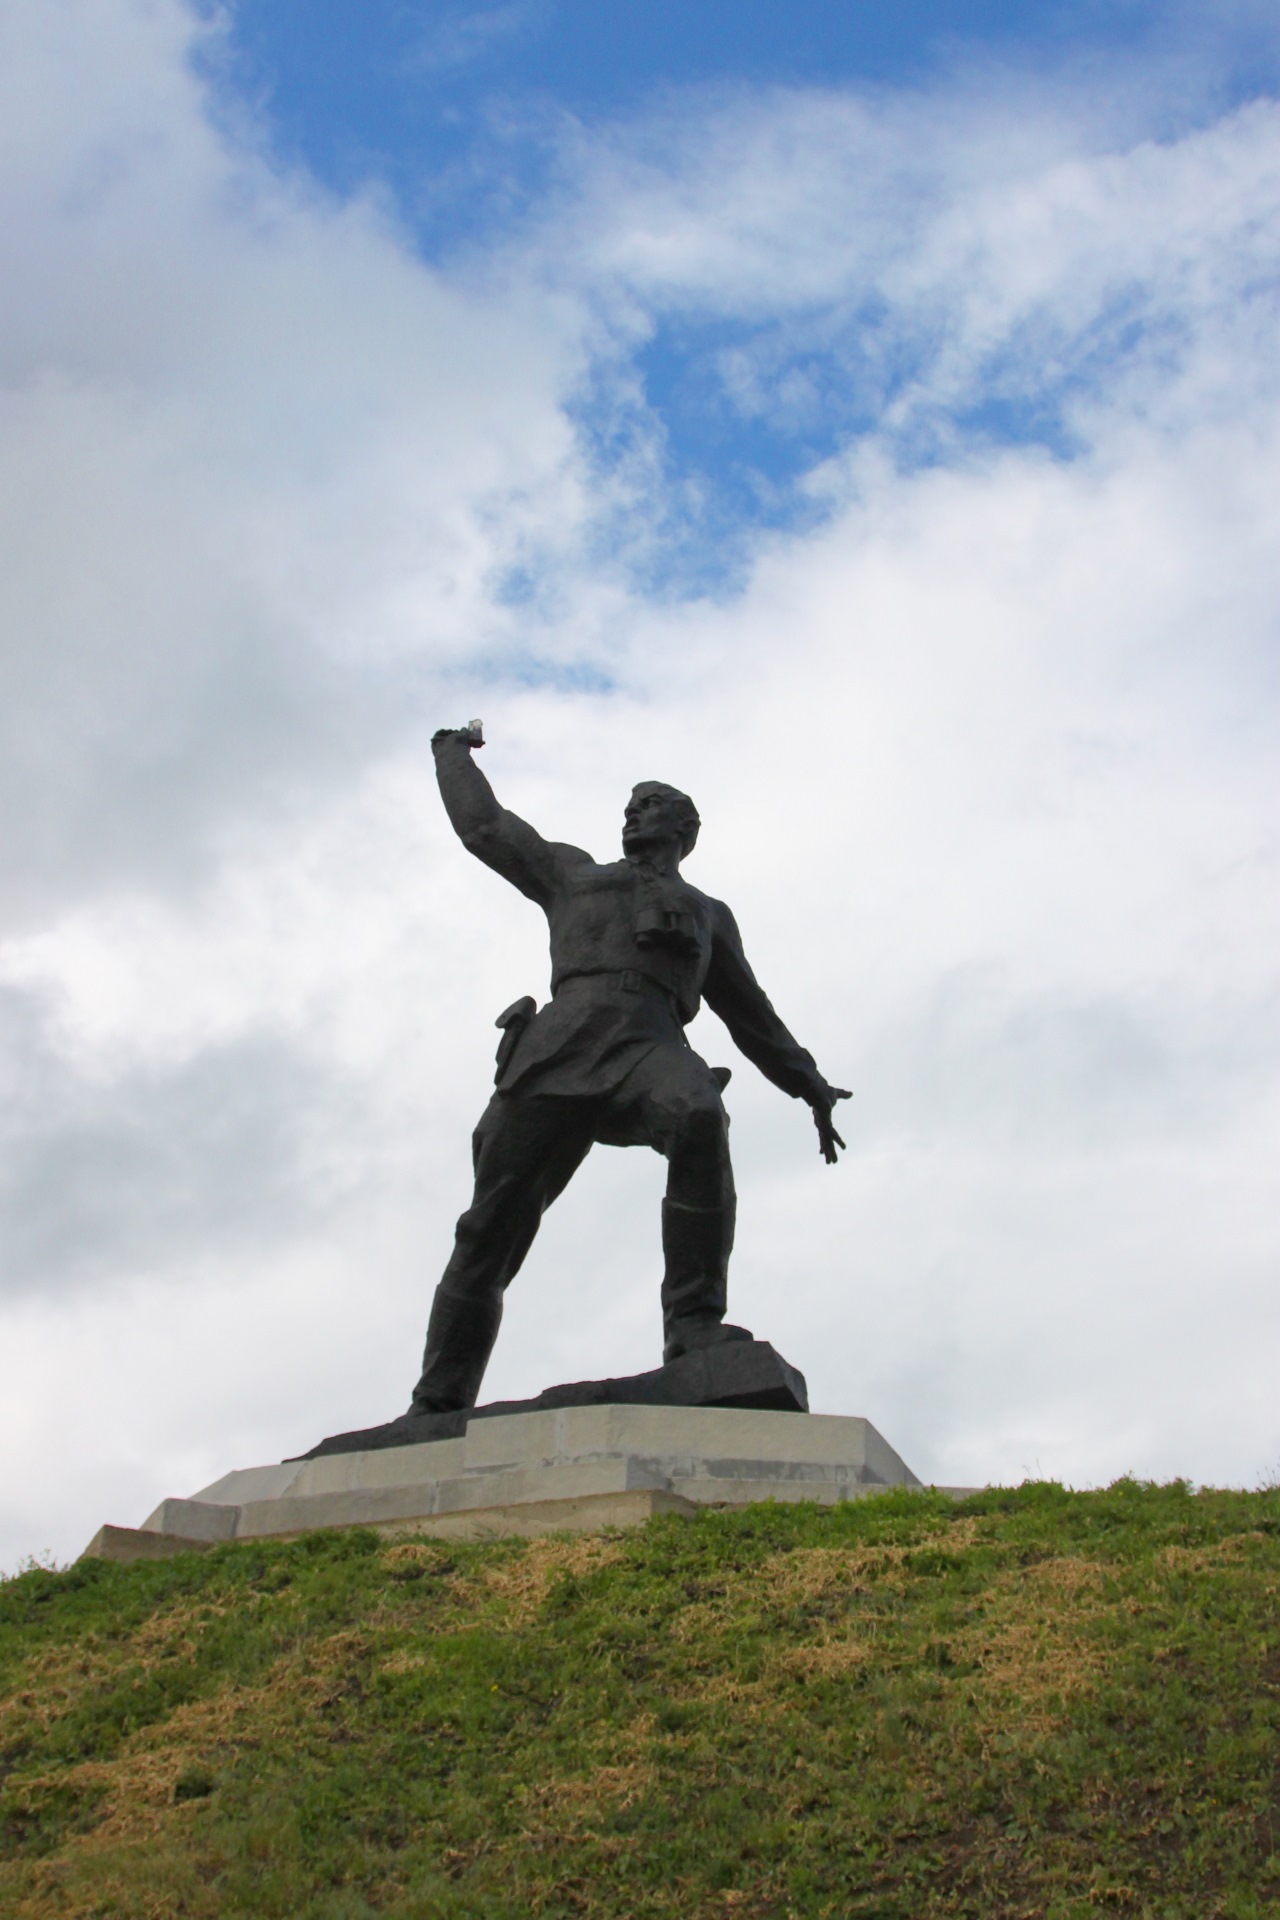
(634, 949)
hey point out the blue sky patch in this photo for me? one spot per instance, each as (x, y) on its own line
(464, 114)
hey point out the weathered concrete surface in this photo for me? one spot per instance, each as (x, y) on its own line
(584, 1515)
(553, 1468)
(138, 1543)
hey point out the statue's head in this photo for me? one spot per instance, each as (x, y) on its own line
(657, 815)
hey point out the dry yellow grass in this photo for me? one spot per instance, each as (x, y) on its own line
(754, 1714)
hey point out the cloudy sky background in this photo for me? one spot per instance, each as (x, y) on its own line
(870, 426)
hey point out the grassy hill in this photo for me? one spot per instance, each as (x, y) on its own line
(1037, 1703)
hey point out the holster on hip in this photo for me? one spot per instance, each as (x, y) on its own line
(513, 1021)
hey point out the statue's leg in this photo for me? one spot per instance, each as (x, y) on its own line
(525, 1151)
(672, 1100)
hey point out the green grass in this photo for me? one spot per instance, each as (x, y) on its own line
(1035, 1703)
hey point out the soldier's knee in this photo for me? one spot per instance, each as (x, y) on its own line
(700, 1127)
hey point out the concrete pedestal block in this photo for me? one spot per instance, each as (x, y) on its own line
(542, 1471)
(139, 1543)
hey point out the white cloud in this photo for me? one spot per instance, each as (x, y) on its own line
(257, 463)
(983, 760)
(916, 257)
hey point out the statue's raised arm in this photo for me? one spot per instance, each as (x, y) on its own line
(495, 835)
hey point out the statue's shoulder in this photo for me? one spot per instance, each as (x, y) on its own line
(571, 856)
(715, 910)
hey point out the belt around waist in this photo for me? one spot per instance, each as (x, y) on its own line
(621, 980)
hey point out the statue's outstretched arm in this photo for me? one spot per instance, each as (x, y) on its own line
(732, 991)
(500, 838)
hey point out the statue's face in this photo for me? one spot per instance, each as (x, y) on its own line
(654, 817)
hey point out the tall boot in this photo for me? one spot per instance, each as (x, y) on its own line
(460, 1337)
(696, 1243)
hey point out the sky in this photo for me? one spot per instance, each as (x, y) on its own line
(863, 418)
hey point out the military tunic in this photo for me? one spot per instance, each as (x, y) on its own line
(634, 952)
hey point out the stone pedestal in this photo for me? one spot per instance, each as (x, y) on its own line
(554, 1468)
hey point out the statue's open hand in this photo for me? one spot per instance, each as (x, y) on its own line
(822, 1102)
